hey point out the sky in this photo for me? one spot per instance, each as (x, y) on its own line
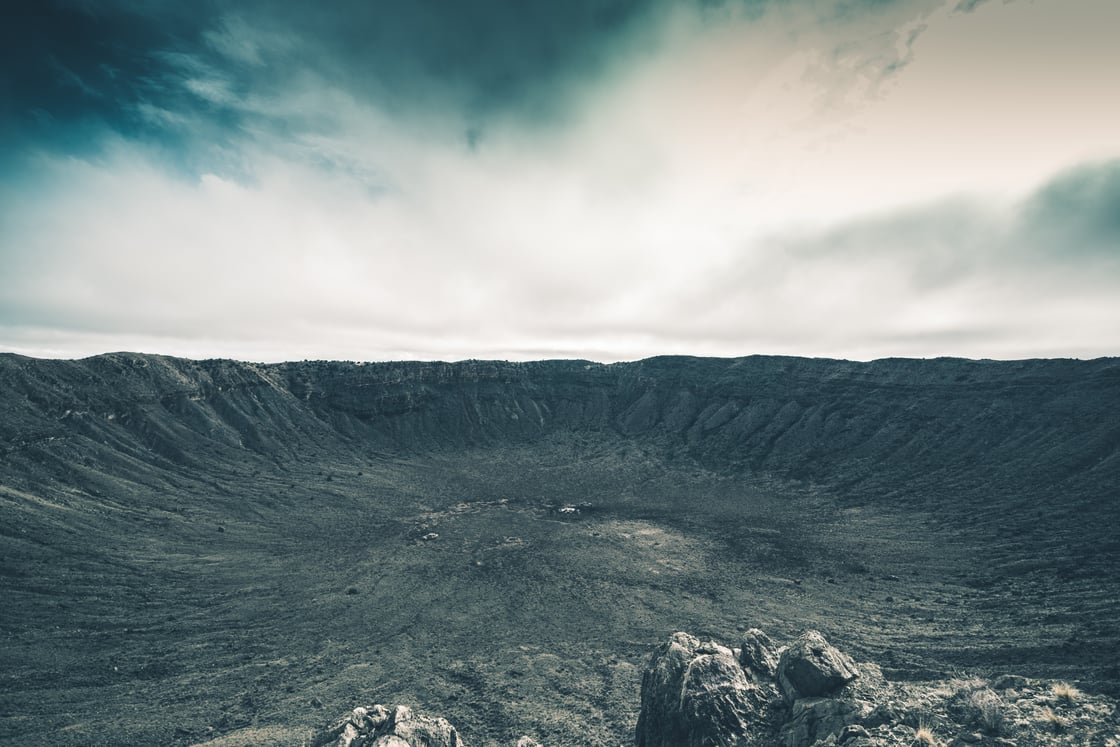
(528, 179)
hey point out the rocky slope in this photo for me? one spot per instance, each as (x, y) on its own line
(806, 694)
(1038, 437)
(869, 426)
(242, 545)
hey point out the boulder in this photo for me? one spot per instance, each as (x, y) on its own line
(696, 694)
(816, 718)
(758, 654)
(378, 726)
(812, 667)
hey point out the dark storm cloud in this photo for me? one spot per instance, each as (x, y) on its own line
(72, 70)
(164, 70)
(490, 53)
(1076, 214)
(487, 55)
(178, 75)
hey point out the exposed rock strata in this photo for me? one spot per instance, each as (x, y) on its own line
(872, 424)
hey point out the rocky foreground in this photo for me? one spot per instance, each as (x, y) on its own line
(805, 694)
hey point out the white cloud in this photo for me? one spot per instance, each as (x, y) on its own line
(730, 189)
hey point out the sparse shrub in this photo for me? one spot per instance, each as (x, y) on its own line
(973, 702)
(1054, 721)
(923, 737)
(1065, 693)
(985, 709)
(351, 589)
(959, 685)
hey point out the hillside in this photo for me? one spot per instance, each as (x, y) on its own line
(197, 548)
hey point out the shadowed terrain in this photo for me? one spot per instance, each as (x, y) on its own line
(196, 551)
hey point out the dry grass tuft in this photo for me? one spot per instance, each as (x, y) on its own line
(966, 684)
(924, 737)
(986, 710)
(1054, 721)
(1066, 693)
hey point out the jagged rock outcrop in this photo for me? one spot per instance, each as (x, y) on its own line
(696, 693)
(705, 694)
(380, 726)
(758, 653)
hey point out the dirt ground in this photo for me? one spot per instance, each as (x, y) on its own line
(260, 601)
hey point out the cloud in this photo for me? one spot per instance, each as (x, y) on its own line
(93, 65)
(70, 69)
(610, 181)
(479, 56)
(1076, 216)
(967, 6)
(966, 275)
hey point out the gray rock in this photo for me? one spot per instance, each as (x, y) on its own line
(758, 653)
(378, 726)
(377, 715)
(817, 718)
(696, 694)
(812, 667)
(888, 712)
(389, 740)
(692, 696)
(852, 731)
(349, 735)
(424, 731)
